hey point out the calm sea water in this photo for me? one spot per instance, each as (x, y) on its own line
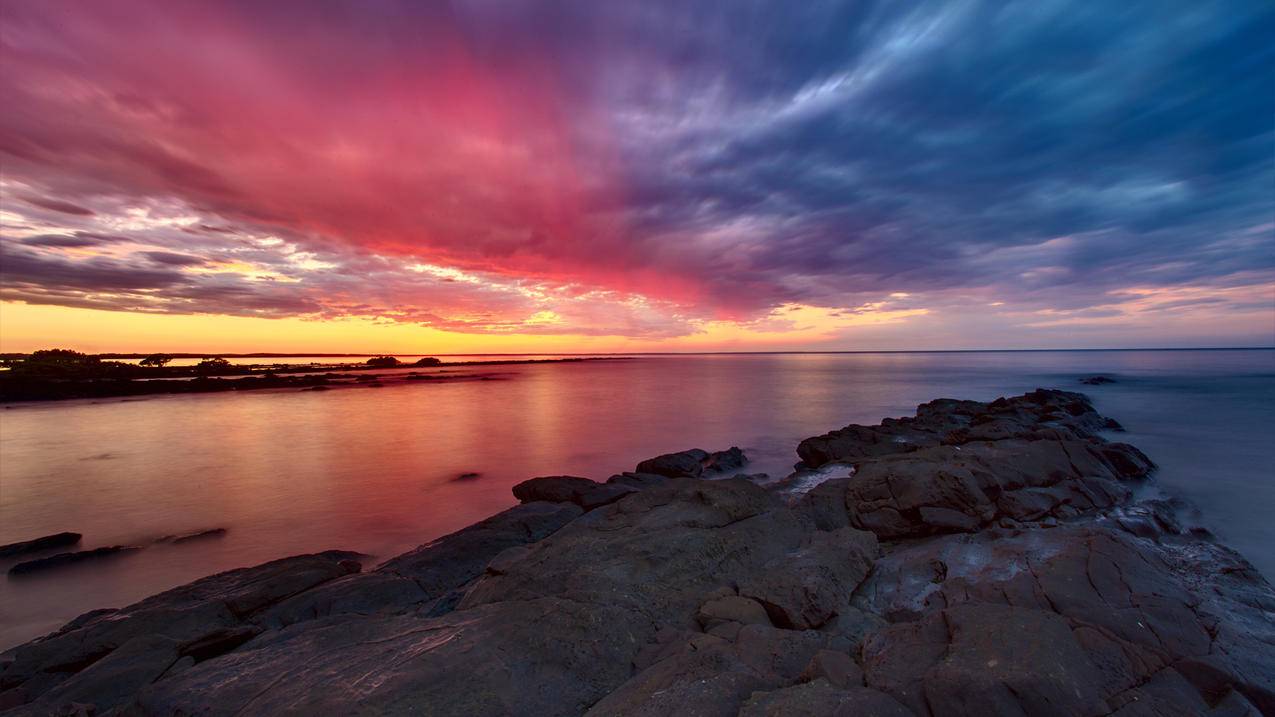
(376, 470)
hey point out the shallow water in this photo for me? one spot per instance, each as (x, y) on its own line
(376, 470)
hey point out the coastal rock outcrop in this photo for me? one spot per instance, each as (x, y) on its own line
(978, 559)
(961, 465)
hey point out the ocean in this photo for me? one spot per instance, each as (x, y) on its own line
(379, 471)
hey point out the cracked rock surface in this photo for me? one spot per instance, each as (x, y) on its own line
(978, 559)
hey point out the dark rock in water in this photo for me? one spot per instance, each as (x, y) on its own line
(1028, 583)
(64, 559)
(684, 464)
(188, 537)
(472, 475)
(318, 388)
(47, 542)
(693, 463)
(730, 459)
(1097, 380)
(583, 492)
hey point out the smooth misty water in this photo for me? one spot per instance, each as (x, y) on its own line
(374, 470)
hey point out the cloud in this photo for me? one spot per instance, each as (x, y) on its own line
(171, 259)
(58, 206)
(639, 168)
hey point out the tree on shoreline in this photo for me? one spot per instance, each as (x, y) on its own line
(156, 360)
(215, 364)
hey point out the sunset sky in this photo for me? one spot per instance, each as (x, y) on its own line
(494, 175)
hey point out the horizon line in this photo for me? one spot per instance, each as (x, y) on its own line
(323, 354)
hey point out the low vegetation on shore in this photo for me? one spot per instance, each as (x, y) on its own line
(53, 374)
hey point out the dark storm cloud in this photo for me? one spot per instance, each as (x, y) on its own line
(894, 152)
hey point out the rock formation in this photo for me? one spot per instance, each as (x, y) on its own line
(978, 559)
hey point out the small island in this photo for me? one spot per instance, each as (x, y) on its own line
(977, 558)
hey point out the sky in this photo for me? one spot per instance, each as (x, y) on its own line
(497, 175)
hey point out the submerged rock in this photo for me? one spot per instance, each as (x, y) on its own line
(47, 542)
(64, 559)
(892, 591)
(188, 537)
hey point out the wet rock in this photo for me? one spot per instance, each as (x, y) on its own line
(65, 559)
(731, 459)
(47, 542)
(583, 492)
(684, 464)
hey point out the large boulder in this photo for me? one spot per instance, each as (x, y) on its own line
(694, 463)
(583, 492)
(683, 464)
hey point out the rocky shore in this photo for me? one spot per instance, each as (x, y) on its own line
(976, 559)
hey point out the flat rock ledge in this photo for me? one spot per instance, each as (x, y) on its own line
(977, 559)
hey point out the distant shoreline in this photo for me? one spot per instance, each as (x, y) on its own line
(243, 377)
(609, 354)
